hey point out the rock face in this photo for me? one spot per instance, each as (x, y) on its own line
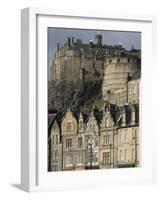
(74, 94)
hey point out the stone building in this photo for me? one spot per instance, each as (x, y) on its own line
(92, 143)
(81, 148)
(78, 61)
(133, 88)
(69, 129)
(55, 148)
(99, 138)
(107, 131)
(87, 142)
(127, 137)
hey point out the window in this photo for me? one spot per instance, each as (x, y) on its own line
(125, 155)
(54, 127)
(53, 139)
(107, 122)
(55, 154)
(121, 156)
(69, 127)
(79, 142)
(80, 159)
(106, 139)
(56, 139)
(125, 136)
(68, 160)
(69, 143)
(106, 157)
(133, 155)
(120, 137)
(134, 89)
(95, 157)
(133, 135)
(96, 142)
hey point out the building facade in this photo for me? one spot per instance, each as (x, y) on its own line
(100, 138)
(112, 142)
(55, 148)
(107, 131)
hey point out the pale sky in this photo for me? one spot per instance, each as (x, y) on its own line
(59, 35)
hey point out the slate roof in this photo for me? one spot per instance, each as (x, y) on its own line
(115, 111)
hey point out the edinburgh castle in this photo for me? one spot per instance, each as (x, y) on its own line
(93, 106)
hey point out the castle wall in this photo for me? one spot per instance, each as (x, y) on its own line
(116, 73)
(133, 91)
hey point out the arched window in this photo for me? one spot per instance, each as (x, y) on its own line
(69, 127)
(107, 122)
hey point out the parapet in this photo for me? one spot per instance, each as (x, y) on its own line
(122, 60)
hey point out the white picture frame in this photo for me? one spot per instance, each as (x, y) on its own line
(34, 176)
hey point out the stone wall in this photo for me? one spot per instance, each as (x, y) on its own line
(117, 70)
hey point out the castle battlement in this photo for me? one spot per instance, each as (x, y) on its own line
(122, 60)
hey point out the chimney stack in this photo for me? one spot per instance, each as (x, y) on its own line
(69, 41)
(98, 39)
(58, 46)
(73, 40)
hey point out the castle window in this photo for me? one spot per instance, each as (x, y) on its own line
(110, 61)
(69, 124)
(129, 60)
(118, 60)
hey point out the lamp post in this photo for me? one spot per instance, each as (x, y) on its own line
(90, 144)
(135, 148)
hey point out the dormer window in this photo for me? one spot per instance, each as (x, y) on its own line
(107, 122)
(56, 139)
(69, 125)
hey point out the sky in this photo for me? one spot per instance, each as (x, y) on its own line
(59, 35)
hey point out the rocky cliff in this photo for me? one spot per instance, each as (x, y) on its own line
(74, 94)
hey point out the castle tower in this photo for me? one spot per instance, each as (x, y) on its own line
(116, 73)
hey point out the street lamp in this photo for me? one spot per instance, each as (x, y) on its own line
(90, 144)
